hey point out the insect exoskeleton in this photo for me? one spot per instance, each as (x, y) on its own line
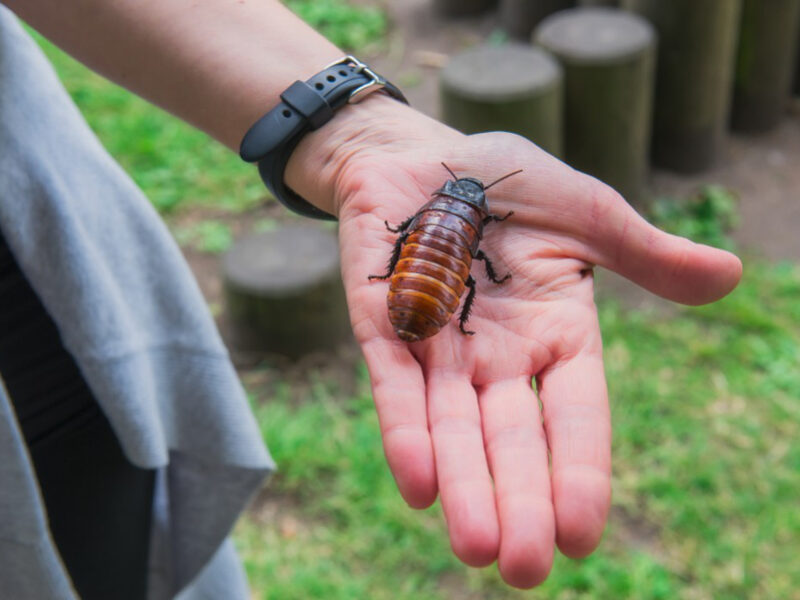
(430, 264)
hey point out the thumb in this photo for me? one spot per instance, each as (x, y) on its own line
(616, 237)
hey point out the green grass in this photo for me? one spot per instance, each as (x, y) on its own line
(208, 236)
(708, 216)
(348, 25)
(706, 412)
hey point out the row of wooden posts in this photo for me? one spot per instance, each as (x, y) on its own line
(612, 89)
(592, 90)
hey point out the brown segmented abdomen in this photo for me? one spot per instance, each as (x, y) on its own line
(430, 275)
(432, 255)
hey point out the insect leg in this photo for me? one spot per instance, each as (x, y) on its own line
(398, 246)
(490, 272)
(462, 318)
(402, 227)
(496, 218)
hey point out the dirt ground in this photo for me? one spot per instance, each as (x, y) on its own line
(764, 171)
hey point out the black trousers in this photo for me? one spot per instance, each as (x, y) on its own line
(98, 503)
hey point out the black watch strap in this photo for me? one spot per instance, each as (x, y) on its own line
(306, 106)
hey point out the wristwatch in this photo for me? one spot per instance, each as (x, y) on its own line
(306, 106)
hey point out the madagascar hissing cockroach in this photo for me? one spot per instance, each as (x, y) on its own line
(432, 256)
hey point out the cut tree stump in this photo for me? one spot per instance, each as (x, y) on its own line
(520, 17)
(765, 63)
(284, 293)
(697, 41)
(608, 57)
(504, 88)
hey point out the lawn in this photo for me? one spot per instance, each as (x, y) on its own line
(706, 407)
(705, 402)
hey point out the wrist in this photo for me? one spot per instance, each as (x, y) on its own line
(323, 158)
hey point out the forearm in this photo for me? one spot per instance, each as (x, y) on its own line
(218, 64)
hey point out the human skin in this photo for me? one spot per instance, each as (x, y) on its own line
(459, 416)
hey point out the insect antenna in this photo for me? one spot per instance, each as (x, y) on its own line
(449, 170)
(501, 179)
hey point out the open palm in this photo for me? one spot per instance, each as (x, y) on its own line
(459, 414)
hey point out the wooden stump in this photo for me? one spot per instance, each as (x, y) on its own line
(520, 17)
(461, 8)
(504, 88)
(608, 57)
(284, 293)
(693, 80)
(765, 63)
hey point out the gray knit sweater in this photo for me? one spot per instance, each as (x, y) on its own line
(129, 311)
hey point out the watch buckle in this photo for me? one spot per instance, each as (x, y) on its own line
(375, 84)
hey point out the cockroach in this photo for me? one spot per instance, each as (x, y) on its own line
(431, 260)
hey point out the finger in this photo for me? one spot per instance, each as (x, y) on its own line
(673, 267)
(465, 486)
(398, 385)
(398, 389)
(578, 427)
(517, 451)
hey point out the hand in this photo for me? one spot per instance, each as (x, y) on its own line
(458, 414)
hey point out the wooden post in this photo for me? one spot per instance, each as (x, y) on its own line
(284, 293)
(765, 63)
(519, 17)
(508, 88)
(796, 87)
(693, 80)
(461, 8)
(609, 58)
